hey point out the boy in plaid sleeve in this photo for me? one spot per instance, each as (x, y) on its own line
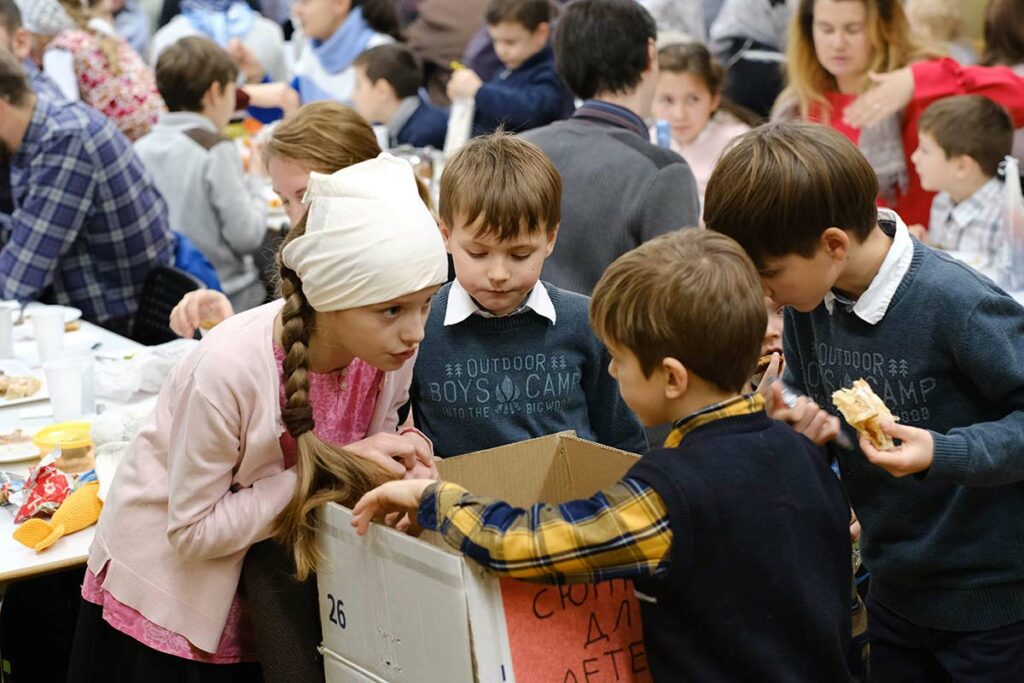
(735, 532)
(88, 224)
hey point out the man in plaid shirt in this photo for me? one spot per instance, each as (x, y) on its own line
(88, 223)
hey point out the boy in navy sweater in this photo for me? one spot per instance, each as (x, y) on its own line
(528, 92)
(735, 532)
(505, 356)
(944, 349)
(387, 91)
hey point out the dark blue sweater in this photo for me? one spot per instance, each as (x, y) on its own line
(945, 547)
(428, 125)
(488, 382)
(528, 97)
(758, 586)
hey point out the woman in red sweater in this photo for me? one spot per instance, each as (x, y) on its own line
(854, 65)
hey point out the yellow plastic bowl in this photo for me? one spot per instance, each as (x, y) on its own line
(67, 435)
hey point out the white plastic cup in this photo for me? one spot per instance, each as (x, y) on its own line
(48, 327)
(86, 362)
(64, 382)
(6, 332)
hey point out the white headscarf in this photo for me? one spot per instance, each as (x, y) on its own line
(369, 238)
(44, 17)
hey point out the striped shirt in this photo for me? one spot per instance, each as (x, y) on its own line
(974, 226)
(621, 532)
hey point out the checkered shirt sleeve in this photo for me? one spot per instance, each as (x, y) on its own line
(622, 532)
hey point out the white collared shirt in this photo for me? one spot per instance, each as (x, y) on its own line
(461, 304)
(874, 302)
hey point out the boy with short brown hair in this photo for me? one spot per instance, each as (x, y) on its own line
(961, 143)
(735, 532)
(507, 357)
(943, 347)
(388, 80)
(528, 92)
(199, 171)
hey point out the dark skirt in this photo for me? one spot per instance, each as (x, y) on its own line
(101, 653)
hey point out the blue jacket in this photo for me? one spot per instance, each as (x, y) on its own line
(528, 97)
(427, 126)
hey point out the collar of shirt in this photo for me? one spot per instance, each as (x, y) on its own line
(747, 404)
(406, 108)
(984, 199)
(34, 133)
(186, 120)
(612, 115)
(874, 302)
(461, 305)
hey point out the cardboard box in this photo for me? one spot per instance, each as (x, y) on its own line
(397, 608)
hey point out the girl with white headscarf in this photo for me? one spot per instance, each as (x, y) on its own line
(279, 410)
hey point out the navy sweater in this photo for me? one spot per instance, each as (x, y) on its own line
(488, 382)
(758, 586)
(528, 97)
(428, 125)
(945, 547)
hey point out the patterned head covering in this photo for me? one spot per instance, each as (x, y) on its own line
(44, 17)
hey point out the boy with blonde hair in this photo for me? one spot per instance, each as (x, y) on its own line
(735, 532)
(507, 357)
(943, 347)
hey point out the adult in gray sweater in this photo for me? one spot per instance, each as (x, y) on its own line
(619, 190)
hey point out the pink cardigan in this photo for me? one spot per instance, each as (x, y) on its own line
(204, 478)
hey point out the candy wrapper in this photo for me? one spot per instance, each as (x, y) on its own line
(10, 485)
(45, 489)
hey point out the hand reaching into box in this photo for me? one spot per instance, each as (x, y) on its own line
(394, 496)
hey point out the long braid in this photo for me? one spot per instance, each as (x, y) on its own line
(324, 473)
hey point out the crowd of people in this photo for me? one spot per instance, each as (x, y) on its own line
(653, 196)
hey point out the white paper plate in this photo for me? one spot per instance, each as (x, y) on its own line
(18, 452)
(17, 369)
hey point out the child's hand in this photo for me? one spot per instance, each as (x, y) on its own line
(854, 527)
(914, 455)
(246, 61)
(920, 232)
(272, 95)
(201, 307)
(463, 83)
(397, 453)
(394, 496)
(772, 373)
(891, 93)
(805, 417)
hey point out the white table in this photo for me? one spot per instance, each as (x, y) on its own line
(17, 561)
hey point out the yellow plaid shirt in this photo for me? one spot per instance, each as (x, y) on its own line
(621, 532)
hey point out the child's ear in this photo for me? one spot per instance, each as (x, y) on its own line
(965, 165)
(552, 238)
(446, 233)
(212, 93)
(543, 31)
(21, 44)
(677, 379)
(716, 102)
(836, 243)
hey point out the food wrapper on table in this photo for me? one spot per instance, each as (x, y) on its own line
(45, 489)
(10, 485)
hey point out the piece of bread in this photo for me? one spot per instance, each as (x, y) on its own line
(12, 387)
(865, 411)
(762, 364)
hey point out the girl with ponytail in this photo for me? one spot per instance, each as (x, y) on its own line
(280, 409)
